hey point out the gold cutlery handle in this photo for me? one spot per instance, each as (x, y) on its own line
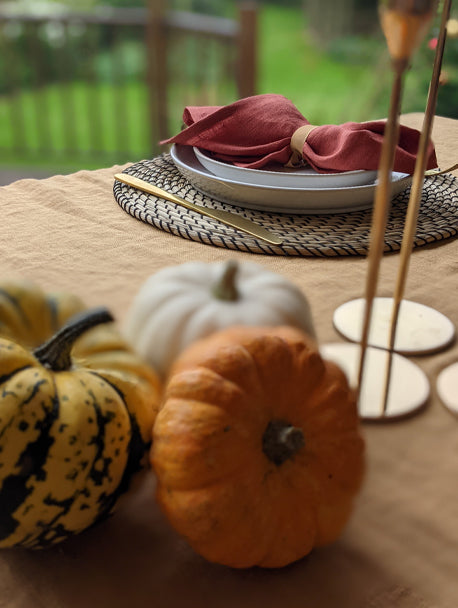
(433, 172)
(225, 217)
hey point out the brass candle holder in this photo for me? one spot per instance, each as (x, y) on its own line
(415, 194)
(404, 24)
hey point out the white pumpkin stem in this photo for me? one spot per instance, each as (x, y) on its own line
(281, 441)
(226, 288)
(55, 352)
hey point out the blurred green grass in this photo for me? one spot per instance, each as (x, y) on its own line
(350, 80)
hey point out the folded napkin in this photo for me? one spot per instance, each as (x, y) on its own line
(263, 129)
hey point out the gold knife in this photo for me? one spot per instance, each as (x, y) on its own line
(226, 217)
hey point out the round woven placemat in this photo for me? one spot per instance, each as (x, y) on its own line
(342, 234)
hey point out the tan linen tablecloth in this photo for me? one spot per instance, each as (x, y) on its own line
(400, 549)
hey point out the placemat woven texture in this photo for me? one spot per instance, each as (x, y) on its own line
(342, 234)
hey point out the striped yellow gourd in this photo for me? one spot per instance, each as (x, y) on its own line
(77, 408)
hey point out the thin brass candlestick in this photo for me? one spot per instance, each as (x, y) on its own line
(404, 23)
(381, 207)
(415, 196)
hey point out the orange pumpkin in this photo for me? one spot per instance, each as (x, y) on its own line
(257, 448)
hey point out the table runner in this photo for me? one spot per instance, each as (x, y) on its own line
(400, 548)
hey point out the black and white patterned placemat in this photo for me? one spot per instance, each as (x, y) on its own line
(342, 234)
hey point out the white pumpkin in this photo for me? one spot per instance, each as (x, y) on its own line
(180, 304)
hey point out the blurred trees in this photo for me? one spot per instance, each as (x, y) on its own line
(336, 18)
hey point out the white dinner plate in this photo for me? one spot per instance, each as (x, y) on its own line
(278, 199)
(303, 177)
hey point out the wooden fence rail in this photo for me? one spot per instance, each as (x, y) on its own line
(106, 85)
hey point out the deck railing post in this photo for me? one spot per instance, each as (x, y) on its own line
(156, 42)
(247, 49)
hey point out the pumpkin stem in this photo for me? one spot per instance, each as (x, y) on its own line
(55, 352)
(226, 289)
(281, 441)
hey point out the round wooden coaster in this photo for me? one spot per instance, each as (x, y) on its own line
(447, 387)
(409, 387)
(420, 329)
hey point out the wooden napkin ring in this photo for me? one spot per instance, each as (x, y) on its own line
(298, 140)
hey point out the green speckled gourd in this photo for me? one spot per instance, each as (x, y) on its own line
(76, 415)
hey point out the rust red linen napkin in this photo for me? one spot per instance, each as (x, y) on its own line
(256, 131)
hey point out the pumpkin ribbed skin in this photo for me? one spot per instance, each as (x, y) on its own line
(181, 304)
(239, 494)
(30, 316)
(70, 440)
